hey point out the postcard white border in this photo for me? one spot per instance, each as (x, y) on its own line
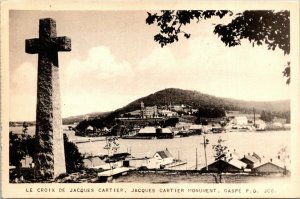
(23, 190)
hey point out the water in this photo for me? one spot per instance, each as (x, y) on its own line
(265, 144)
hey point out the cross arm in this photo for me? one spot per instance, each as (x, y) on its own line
(63, 43)
(32, 46)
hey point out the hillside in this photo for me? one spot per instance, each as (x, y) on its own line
(78, 118)
(195, 99)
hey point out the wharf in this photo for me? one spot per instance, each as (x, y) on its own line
(175, 164)
(108, 175)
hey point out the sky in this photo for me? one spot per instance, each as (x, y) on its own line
(114, 60)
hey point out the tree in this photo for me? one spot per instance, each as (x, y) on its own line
(19, 147)
(220, 156)
(25, 128)
(73, 158)
(258, 26)
(16, 151)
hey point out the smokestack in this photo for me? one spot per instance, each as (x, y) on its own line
(271, 160)
(279, 157)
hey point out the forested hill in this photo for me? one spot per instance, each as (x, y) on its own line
(195, 99)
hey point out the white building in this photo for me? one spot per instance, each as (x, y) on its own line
(163, 157)
(240, 120)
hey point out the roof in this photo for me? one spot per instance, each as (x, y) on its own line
(275, 162)
(166, 130)
(237, 163)
(164, 154)
(234, 162)
(148, 129)
(251, 158)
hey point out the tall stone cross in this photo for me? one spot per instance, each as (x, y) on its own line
(49, 157)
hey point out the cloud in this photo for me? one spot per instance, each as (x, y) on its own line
(209, 66)
(101, 82)
(100, 64)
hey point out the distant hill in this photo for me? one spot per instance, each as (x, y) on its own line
(79, 118)
(195, 99)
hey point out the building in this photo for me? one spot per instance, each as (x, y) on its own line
(152, 132)
(270, 166)
(227, 167)
(250, 160)
(159, 160)
(150, 111)
(260, 125)
(167, 113)
(164, 133)
(148, 131)
(241, 120)
(163, 158)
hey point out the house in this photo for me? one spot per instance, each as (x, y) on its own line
(163, 157)
(176, 107)
(250, 160)
(241, 120)
(89, 128)
(224, 166)
(270, 166)
(260, 125)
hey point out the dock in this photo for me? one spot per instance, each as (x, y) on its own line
(86, 140)
(108, 175)
(175, 164)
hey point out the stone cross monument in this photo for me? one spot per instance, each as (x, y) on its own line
(49, 157)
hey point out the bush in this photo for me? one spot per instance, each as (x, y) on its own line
(73, 158)
(22, 145)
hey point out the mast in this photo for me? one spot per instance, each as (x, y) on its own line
(196, 160)
(254, 115)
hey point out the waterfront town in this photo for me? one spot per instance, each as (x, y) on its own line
(174, 122)
(171, 132)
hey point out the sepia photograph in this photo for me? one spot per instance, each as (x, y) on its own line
(145, 101)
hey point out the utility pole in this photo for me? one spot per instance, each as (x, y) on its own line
(254, 115)
(196, 160)
(205, 142)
